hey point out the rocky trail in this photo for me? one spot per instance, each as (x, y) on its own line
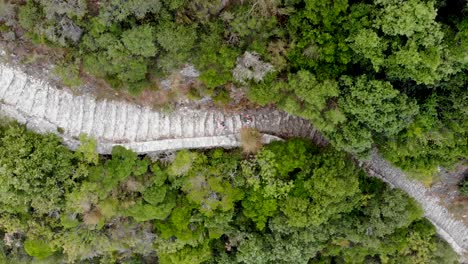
(48, 109)
(45, 108)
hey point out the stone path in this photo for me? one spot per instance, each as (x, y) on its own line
(46, 109)
(453, 231)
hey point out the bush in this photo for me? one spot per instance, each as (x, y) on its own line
(38, 249)
(463, 189)
(251, 140)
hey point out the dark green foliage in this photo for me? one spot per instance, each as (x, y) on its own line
(384, 73)
(215, 59)
(435, 138)
(376, 105)
(464, 188)
(291, 203)
(358, 70)
(29, 165)
(140, 41)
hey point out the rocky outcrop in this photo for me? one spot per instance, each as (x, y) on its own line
(44, 108)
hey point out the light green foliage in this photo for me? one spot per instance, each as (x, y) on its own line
(86, 152)
(188, 255)
(120, 166)
(154, 194)
(259, 209)
(314, 97)
(367, 43)
(38, 249)
(306, 96)
(182, 163)
(397, 18)
(82, 244)
(209, 187)
(29, 15)
(145, 212)
(412, 39)
(211, 193)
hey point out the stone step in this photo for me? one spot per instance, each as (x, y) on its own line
(99, 119)
(7, 78)
(111, 121)
(121, 118)
(64, 115)
(209, 125)
(11, 93)
(40, 103)
(22, 103)
(142, 132)
(29, 93)
(229, 124)
(164, 126)
(237, 123)
(53, 96)
(200, 126)
(153, 126)
(77, 116)
(89, 106)
(133, 119)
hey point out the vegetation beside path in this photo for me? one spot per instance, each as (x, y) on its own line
(388, 73)
(292, 202)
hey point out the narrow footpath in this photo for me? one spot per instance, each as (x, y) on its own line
(44, 108)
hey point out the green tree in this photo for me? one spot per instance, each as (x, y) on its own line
(376, 105)
(140, 40)
(36, 171)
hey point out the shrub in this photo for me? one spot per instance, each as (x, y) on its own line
(251, 140)
(464, 188)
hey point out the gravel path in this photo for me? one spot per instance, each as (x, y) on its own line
(46, 109)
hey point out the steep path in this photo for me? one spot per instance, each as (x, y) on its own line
(47, 109)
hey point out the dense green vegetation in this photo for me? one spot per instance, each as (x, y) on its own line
(464, 187)
(290, 203)
(390, 73)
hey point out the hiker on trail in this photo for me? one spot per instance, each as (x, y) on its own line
(246, 119)
(221, 125)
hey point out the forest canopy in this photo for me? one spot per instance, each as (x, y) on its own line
(385, 73)
(293, 202)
